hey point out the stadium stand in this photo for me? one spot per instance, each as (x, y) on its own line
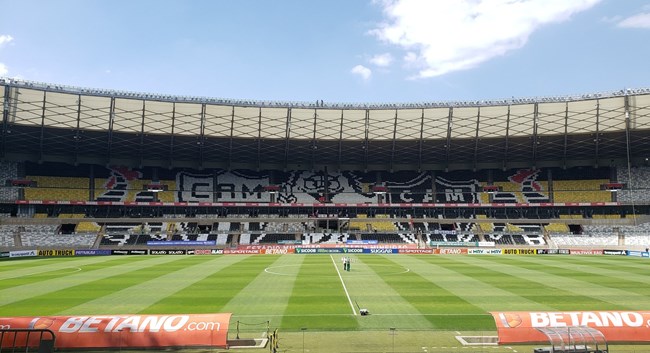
(366, 180)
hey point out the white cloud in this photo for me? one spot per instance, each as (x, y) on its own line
(451, 35)
(362, 71)
(641, 20)
(5, 38)
(382, 60)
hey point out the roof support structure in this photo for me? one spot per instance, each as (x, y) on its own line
(392, 150)
(476, 140)
(535, 135)
(41, 140)
(287, 135)
(340, 154)
(366, 141)
(566, 134)
(421, 146)
(201, 141)
(450, 122)
(77, 131)
(141, 154)
(232, 133)
(171, 137)
(5, 117)
(597, 137)
(111, 123)
(506, 147)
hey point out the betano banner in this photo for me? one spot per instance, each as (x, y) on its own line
(124, 331)
(616, 326)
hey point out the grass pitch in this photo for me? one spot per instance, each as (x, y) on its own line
(429, 297)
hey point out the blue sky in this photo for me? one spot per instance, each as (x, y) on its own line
(331, 50)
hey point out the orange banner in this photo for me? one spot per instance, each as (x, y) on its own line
(616, 326)
(125, 331)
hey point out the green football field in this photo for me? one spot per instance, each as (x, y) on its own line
(417, 303)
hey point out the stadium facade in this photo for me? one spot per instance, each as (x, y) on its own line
(474, 170)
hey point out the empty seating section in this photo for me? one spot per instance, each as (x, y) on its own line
(58, 188)
(6, 240)
(580, 191)
(639, 190)
(49, 240)
(561, 228)
(8, 171)
(572, 240)
(87, 227)
(383, 226)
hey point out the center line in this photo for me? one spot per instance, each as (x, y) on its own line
(343, 283)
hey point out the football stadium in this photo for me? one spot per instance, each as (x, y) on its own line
(133, 221)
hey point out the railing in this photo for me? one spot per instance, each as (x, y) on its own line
(22, 340)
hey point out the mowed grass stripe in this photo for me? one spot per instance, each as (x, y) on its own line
(535, 285)
(21, 292)
(450, 275)
(171, 278)
(612, 272)
(602, 293)
(318, 291)
(367, 286)
(269, 292)
(441, 308)
(35, 271)
(629, 264)
(57, 302)
(213, 292)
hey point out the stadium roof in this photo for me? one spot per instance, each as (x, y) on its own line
(43, 122)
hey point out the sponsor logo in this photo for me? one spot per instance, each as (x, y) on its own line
(614, 252)
(585, 252)
(587, 318)
(216, 251)
(416, 251)
(453, 251)
(511, 320)
(135, 324)
(519, 251)
(91, 252)
(383, 251)
(305, 251)
(240, 251)
(353, 250)
(276, 251)
(484, 251)
(63, 252)
(202, 252)
(24, 253)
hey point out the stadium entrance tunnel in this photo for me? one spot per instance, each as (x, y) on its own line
(478, 340)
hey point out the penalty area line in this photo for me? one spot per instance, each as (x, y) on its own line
(344, 287)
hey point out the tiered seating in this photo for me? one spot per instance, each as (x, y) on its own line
(8, 170)
(500, 239)
(57, 240)
(383, 226)
(87, 227)
(326, 238)
(584, 240)
(270, 238)
(359, 223)
(641, 182)
(58, 188)
(580, 191)
(556, 228)
(6, 240)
